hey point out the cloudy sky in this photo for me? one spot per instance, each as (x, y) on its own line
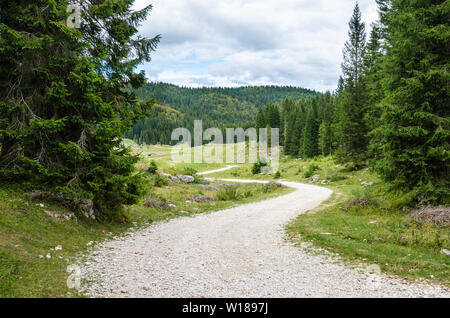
(250, 42)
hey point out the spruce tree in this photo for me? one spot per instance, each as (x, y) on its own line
(260, 120)
(413, 139)
(311, 132)
(66, 99)
(351, 128)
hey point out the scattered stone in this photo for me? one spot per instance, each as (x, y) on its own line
(202, 198)
(315, 178)
(87, 208)
(150, 202)
(445, 252)
(186, 179)
(326, 233)
(52, 214)
(170, 177)
(58, 248)
(367, 184)
(373, 222)
(48, 256)
(171, 205)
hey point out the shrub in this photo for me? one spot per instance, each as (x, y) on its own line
(189, 171)
(277, 175)
(159, 181)
(153, 168)
(228, 194)
(157, 203)
(256, 169)
(310, 171)
(333, 175)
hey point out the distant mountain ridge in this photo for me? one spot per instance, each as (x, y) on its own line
(217, 106)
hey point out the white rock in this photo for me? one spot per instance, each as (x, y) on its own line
(445, 252)
(186, 179)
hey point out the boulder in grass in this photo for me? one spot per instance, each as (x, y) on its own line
(186, 179)
(201, 198)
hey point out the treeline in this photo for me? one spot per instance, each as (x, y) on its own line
(217, 107)
(305, 124)
(390, 111)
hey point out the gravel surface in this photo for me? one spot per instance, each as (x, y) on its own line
(238, 252)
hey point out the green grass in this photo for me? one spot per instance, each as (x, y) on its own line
(394, 242)
(27, 231)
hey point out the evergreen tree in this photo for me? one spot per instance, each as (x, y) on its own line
(260, 120)
(325, 138)
(413, 139)
(350, 126)
(273, 115)
(311, 132)
(65, 99)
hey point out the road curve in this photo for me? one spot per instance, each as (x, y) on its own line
(238, 252)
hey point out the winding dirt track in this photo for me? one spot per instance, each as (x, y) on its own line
(238, 252)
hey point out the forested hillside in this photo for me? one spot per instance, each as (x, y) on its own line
(217, 107)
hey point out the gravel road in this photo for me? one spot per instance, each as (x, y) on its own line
(238, 252)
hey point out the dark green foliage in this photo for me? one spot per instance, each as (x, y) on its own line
(63, 103)
(228, 194)
(256, 168)
(152, 168)
(310, 171)
(189, 171)
(311, 133)
(350, 125)
(302, 121)
(325, 138)
(412, 142)
(217, 107)
(159, 181)
(277, 175)
(260, 120)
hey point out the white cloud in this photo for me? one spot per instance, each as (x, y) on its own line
(250, 42)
